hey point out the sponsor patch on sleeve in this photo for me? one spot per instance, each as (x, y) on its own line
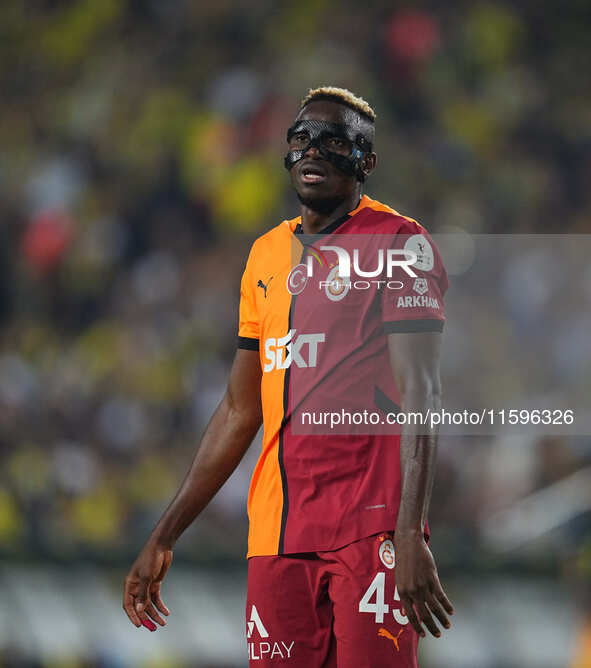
(420, 245)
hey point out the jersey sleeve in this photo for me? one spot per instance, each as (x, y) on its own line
(417, 304)
(248, 328)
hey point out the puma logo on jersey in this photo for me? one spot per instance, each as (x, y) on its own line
(260, 284)
(301, 350)
(384, 633)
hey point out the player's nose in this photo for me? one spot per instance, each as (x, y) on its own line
(312, 151)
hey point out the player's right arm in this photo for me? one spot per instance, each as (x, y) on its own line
(227, 437)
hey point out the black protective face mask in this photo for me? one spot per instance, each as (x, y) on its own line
(318, 135)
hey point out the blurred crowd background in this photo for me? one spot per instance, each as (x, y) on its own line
(141, 153)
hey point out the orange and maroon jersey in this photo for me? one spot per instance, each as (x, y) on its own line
(323, 346)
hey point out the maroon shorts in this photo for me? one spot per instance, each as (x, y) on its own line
(328, 609)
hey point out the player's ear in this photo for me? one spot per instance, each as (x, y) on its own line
(368, 164)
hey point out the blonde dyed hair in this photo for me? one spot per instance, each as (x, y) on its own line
(341, 95)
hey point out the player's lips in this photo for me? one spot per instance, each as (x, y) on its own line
(312, 172)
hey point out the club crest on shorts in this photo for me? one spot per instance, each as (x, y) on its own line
(387, 554)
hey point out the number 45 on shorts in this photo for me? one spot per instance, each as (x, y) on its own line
(379, 608)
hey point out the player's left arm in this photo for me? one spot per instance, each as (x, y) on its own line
(415, 363)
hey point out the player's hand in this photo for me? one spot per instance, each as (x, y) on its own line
(141, 596)
(421, 593)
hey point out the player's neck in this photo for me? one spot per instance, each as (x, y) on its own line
(314, 222)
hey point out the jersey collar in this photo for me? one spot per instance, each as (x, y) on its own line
(296, 223)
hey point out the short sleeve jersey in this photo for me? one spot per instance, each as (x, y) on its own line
(322, 342)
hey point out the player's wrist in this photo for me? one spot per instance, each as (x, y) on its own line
(162, 539)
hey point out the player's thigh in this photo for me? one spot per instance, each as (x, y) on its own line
(289, 613)
(369, 626)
